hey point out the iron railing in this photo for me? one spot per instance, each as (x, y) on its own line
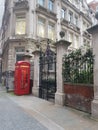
(47, 87)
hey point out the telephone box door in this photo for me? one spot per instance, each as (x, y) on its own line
(25, 78)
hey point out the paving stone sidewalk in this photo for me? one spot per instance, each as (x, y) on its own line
(45, 114)
(53, 116)
(13, 117)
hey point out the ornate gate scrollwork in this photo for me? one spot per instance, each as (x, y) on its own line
(47, 87)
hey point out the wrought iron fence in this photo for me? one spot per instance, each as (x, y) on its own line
(47, 87)
(78, 67)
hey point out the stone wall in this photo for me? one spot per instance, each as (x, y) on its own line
(79, 96)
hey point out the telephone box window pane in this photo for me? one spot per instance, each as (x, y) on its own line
(24, 74)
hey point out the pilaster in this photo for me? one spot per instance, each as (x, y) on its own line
(36, 73)
(61, 48)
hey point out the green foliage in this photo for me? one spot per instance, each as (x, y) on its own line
(78, 67)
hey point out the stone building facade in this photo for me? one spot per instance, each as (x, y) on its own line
(25, 22)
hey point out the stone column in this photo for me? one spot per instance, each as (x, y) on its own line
(94, 107)
(35, 89)
(61, 48)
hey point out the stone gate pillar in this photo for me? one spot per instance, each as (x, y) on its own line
(61, 48)
(94, 107)
(35, 89)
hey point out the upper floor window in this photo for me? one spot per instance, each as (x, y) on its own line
(84, 26)
(41, 2)
(71, 1)
(20, 25)
(63, 13)
(76, 41)
(41, 27)
(76, 2)
(71, 17)
(50, 5)
(51, 31)
(84, 42)
(76, 20)
(96, 8)
(71, 37)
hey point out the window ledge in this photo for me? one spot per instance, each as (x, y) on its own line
(17, 37)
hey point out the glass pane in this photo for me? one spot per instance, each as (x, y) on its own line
(41, 2)
(76, 41)
(70, 37)
(20, 49)
(20, 26)
(71, 17)
(62, 13)
(51, 32)
(41, 28)
(50, 5)
(19, 57)
(76, 21)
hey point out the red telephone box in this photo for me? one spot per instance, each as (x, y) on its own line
(22, 78)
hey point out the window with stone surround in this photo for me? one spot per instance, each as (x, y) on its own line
(19, 53)
(41, 2)
(76, 20)
(51, 5)
(70, 17)
(84, 26)
(51, 31)
(76, 2)
(63, 13)
(71, 1)
(20, 25)
(41, 27)
(71, 39)
(76, 43)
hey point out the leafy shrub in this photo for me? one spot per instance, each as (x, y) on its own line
(78, 67)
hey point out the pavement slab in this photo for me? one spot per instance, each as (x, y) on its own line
(12, 116)
(51, 116)
(61, 116)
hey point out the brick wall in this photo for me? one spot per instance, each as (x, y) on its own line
(79, 96)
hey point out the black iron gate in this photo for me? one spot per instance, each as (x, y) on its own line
(47, 87)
